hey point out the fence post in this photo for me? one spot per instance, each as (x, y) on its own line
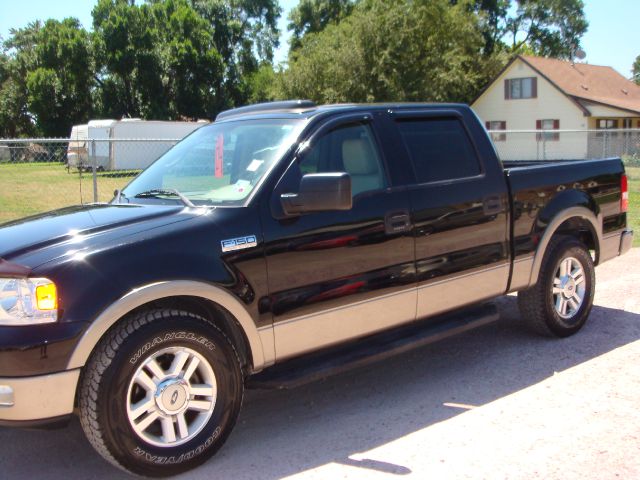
(604, 145)
(94, 169)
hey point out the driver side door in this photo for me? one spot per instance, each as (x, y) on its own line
(338, 275)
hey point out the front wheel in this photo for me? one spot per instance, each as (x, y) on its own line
(559, 304)
(161, 393)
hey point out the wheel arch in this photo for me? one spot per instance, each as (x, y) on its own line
(579, 222)
(231, 316)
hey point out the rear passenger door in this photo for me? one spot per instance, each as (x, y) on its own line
(336, 276)
(459, 212)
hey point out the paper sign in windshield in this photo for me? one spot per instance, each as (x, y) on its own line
(219, 156)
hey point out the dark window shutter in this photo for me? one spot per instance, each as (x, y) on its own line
(556, 124)
(503, 125)
(507, 90)
(534, 87)
(487, 125)
(538, 124)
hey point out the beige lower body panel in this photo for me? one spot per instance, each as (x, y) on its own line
(38, 398)
(610, 247)
(315, 331)
(521, 276)
(460, 290)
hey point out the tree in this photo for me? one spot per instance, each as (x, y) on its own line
(60, 82)
(180, 58)
(192, 68)
(245, 34)
(313, 16)
(262, 84)
(492, 15)
(636, 70)
(14, 119)
(423, 50)
(551, 28)
(127, 63)
(46, 79)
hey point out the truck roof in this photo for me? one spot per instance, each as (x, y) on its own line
(307, 109)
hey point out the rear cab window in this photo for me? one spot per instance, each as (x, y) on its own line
(439, 149)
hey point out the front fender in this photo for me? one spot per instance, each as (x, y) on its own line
(260, 340)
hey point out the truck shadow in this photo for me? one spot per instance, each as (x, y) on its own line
(281, 433)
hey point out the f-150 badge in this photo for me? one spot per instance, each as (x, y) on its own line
(238, 243)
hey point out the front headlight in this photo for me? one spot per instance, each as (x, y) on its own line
(25, 301)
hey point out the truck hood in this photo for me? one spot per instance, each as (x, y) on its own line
(35, 240)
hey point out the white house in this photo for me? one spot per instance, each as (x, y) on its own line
(535, 93)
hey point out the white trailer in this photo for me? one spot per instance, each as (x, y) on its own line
(128, 144)
(134, 155)
(77, 149)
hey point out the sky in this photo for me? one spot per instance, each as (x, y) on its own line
(612, 38)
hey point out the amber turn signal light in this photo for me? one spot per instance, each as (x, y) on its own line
(47, 297)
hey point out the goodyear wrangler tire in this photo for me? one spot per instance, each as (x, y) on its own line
(560, 302)
(161, 393)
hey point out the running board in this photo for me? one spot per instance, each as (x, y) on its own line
(318, 365)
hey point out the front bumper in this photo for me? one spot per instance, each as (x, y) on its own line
(26, 401)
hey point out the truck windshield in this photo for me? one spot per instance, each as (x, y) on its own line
(219, 164)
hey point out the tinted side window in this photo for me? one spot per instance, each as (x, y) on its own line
(440, 149)
(348, 149)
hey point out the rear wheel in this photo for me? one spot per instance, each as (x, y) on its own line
(161, 393)
(559, 304)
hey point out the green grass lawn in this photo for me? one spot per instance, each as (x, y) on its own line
(30, 188)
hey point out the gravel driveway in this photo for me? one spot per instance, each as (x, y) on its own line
(493, 403)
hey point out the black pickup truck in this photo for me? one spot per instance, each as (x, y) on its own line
(281, 243)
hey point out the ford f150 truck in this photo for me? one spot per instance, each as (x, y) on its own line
(281, 243)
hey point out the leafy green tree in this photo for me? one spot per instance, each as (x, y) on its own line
(423, 50)
(263, 84)
(636, 70)
(127, 64)
(312, 16)
(180, 58)
(46, 81)
(245, 34)
(60, 82)
(492, 17)
(551, 28)
(192, 68)
(14, 119)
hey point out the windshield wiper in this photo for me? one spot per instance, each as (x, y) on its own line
(156, 192)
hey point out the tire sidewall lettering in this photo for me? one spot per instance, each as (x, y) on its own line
(170, 337)
(172, 460)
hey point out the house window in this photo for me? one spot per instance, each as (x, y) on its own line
(497, 125)
(518, 88)
(606, 124)
(548, 124)
(627, 123)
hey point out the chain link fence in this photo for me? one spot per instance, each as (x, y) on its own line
(37, 175)
(568, 144)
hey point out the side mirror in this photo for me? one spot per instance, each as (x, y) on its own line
(319, 192)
